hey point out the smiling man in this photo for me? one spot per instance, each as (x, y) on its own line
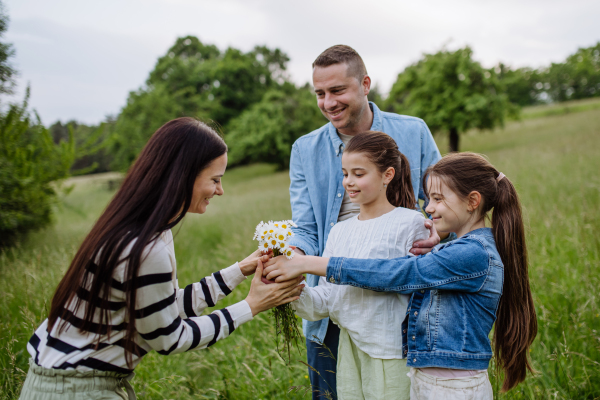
(317, 196)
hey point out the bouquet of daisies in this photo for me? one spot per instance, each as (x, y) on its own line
(274, 236)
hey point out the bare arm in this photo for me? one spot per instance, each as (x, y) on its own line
(281, 269)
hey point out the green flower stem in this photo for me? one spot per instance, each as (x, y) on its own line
(286, 325)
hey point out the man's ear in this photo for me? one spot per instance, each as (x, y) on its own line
(473, 200)
(366, 84)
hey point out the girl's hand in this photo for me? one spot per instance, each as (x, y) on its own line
(263, 297)
(280, 269)
(248, 264)
(426, 245)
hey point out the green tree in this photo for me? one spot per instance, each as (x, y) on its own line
(266, 131)
(29, 159)
(523, 86)
(29, 162)
(7, 72)
(146, 110)
(90, 142)
(578, 77)
(195, 79)
(451, 92)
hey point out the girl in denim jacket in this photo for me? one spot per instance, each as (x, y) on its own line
(458, 290)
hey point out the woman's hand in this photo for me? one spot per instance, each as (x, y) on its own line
(248, 264)
(281, 269)
(263, 297)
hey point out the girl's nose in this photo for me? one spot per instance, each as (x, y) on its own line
(429, 209)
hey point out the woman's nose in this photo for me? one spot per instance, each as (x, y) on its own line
(219, 191)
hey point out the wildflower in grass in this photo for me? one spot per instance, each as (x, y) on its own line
(274, 235)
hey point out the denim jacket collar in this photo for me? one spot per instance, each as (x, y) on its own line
(481, 231)
(375, 126)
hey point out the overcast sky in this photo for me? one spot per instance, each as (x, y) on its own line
(82, 58)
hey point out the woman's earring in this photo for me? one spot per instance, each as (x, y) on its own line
(385, 185)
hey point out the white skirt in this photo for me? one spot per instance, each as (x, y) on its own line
(428, 387)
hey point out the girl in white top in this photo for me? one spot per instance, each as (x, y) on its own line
(370, 362)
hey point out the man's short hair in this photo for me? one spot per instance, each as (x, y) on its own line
(339, 54)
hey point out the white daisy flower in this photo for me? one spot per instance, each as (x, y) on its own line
(272, 243)
(281, 235)
(264, 245)
(289, 254)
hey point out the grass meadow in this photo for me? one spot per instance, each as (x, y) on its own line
(553, 159)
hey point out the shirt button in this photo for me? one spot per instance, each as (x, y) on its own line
(414, 360)
(332, 224)
(422, 291)
(413, 338)
(339, 195)
(405, 351)
(416, 313)
(331, 280)
(404, 331)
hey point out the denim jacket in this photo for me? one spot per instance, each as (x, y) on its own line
(316, 190)
(455, 294)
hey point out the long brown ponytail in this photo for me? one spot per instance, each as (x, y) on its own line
(516, 322)
(383, 151)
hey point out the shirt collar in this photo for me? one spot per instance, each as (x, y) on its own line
(375, 126)
(481, 231)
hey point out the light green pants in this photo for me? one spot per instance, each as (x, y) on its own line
(57, 384)
(360, 377)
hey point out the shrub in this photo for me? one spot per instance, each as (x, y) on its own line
(29, 162)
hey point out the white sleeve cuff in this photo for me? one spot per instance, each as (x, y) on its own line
(240, 312)
(233, 275)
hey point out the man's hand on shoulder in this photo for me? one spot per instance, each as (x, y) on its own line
(424, 246)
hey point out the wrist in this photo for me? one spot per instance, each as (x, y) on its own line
(253, 307)
(316, 266)
(246, 268)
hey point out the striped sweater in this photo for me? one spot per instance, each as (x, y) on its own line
(168, 319)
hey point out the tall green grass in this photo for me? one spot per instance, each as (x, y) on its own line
(554, 161)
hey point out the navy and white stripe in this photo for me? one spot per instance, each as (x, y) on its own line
(168, 319)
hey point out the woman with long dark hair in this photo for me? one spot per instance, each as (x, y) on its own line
(120, 297)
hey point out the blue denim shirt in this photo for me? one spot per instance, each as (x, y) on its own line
(316, 190)
(455, 294)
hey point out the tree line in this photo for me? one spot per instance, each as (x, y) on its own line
(249, 97)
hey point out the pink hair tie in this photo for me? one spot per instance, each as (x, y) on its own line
(499, 178)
